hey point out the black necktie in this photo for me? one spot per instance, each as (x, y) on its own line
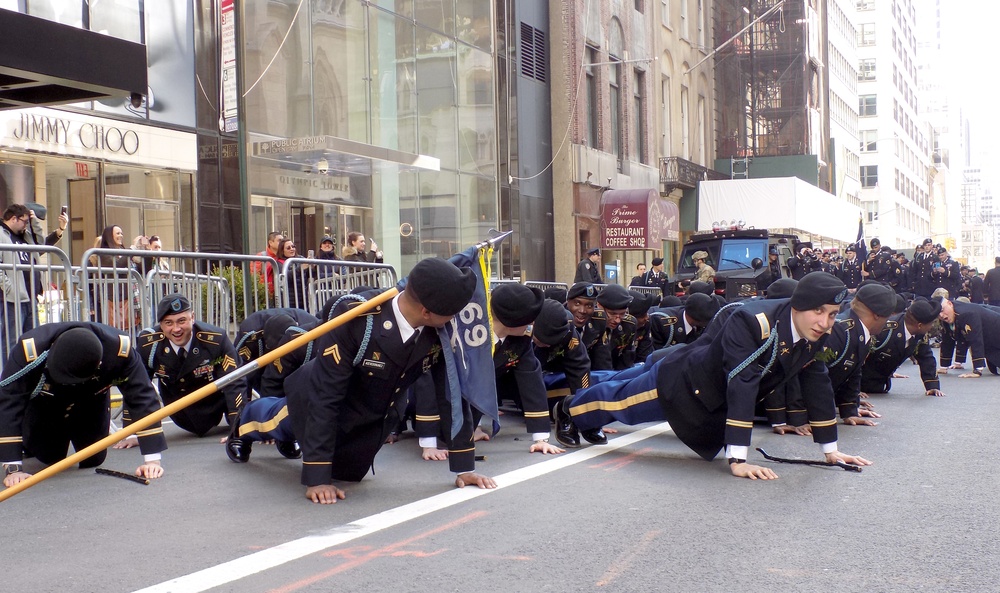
(182, 354)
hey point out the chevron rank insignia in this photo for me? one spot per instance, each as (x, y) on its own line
(333, 351)
(228, 363)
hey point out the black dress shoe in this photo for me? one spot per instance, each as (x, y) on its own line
(289, 449)
(595, 436)
(566, 432)
(238, 449)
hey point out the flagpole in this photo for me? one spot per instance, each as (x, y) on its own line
(198, 395)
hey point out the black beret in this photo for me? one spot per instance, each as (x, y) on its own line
(657, 261)
(274, 329)
(670, 300)
(997, 259)
(583, 290)
(850, 248)
(702, 287)
(880, 299)
(440, 286)
(900, 304)
(171, 305)
(782, 288)
(817, 289)
(594, 251)
(555, 293)
(515, 305)
(639, 306)
(874, 242)
(74, 356)
(552, 324)
(614, 297)
(701, 307)
(925, 311)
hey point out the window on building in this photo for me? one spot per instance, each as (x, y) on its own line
(866, 34)
(866, 4)
(702, 41)
(684, 19)
(867, 105)
(702, 132)
(638, 116)
(869, 175)
(665, 13)
(614, 83)
(665, 116)
(685, 126)
(869, 140)
(592, 112)
(871, 211)
(638, 5)
(866, 69)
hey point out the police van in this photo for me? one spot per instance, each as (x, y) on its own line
(739, 257)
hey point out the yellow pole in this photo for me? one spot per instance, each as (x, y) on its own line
(198, 395)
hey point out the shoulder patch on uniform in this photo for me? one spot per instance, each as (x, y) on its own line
(629, 318)
(30, 352)
(209, 337)
(148, 338)
(765, 326)
(124, 346)
(892, 324)
(848, 322)
(669, 320)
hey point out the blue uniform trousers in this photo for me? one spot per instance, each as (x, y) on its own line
(266, 419)
(627, 396)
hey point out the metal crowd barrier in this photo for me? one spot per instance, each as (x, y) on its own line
(543, 286)
(37, 282)
(654, 291)
(495, 282)
(309, 283)
(223, 288)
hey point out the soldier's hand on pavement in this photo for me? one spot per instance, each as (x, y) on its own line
(868, 413)
(900, 376)
(150, 470)
(805, 430)
(859, 421)
(969, 376)
(862, 395)
(324, 494)
(844, 457)
(957, 365)
(392, 438)
(545, 447)
(942, 371)
(754, 472)
(866, 405)
(935, 392)
(783, 429)
(15, 478)
(434, 454)
(130, 441)
(474, 479)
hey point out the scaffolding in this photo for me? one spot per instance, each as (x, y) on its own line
(770, 84)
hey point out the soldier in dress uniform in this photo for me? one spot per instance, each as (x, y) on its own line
(947, 273)
(904, 337)
(921, 268)
(682, 324)
(580, 302)
(589, 270)
(184, 356)
(656, 277)
(850, 272)
(844, 352)
(639, 308)
(278, 331)
(620, 327)
(56, 390)
(342, 404)
(978, 326)
(902, 283)
(708, 390)
(250, 337)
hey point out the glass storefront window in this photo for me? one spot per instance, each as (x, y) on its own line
(394, 91)
(436, 100)
(67, 12)
(473, 24)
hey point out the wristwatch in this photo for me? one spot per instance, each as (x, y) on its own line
(11, 468)
(733, 460)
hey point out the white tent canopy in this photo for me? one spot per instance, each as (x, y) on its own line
(777, 203)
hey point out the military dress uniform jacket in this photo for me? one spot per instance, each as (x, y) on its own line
(643, 343)
(272, 382)
(212, 356)
(709, 389)
(889, 349)
(949, 278)
(592, 337)
(850, 273)
(620, 343)
(250, 337)
(568, 357)
(515, 362)
(120, 366)
(920, 274)
(667, 327)
(979, 327)
(345, 401)
(844, 353)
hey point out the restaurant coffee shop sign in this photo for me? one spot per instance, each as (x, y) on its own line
(637, 219)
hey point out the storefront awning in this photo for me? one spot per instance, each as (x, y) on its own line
(637, 219)
(48, 63)
(329, 153)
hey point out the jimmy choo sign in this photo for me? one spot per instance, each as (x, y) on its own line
(45, 129)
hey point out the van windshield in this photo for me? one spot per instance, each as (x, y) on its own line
(737, 254)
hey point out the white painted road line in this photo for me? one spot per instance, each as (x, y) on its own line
(239, 568)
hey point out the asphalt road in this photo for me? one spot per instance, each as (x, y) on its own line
(641, 514)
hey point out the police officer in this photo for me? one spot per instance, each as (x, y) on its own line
(773, 267)
(580, 302)
(620, 327)
(707, 391)
(185, 355)
(682, 324)
(343, 403)
(589, 269)
(56, 391)
(904, 337)
(850, 272)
